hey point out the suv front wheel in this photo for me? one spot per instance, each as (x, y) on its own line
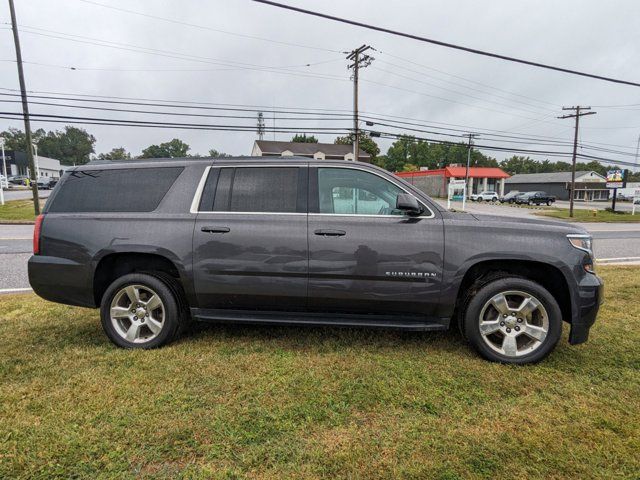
(140, 310)
(513, 320)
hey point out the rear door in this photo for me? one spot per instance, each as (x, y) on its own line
(364, 255)
(250, 238)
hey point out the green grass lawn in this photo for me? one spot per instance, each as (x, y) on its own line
(18, 211)
(273, 402)
(581, 215)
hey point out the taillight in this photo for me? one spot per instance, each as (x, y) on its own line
(36, 234)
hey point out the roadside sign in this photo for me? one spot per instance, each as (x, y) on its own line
(453, 186)
(615, 179)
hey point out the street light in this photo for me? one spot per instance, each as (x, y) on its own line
(35, 148)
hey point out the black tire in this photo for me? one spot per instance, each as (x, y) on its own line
(549, 202)
(494, 199)
(485, 292)
(173, 314)
(511, 201)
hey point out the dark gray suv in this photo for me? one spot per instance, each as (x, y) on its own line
(157, 243)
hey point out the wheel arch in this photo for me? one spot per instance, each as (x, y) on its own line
(480, 273)
(116, 264)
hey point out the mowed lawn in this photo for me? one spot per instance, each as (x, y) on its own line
(18, 211)
(583, 215)
(262, 402)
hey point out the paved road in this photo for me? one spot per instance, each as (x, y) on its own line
(612, 240)
(12, 194)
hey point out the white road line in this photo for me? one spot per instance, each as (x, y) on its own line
(15, 290)
(618, 259)
(16, 238)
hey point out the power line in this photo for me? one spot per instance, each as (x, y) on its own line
(180, 103)
(167, 113)
(491, 87)
(308, 116)
(133, 122)
(444, 44)
(177, 55)
(206, 27)
(185, 126)
(459, 84)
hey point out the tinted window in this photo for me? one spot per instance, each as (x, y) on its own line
(356, 192)
(254, 189)
(121, 190)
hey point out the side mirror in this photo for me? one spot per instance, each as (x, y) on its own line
(408, 204)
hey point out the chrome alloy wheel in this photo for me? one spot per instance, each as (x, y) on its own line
(514, 323)
(137, 313)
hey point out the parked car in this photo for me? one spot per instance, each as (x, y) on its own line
(535, 198)
(18, 180)
(157, 243)
(47, 183)
(510, 197)
(624, 197)
(489, 196)
(4, 182)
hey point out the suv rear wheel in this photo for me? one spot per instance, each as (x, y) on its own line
(140, 310)
(513, 320)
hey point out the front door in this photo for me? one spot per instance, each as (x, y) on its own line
(364, 255)
(250, 239)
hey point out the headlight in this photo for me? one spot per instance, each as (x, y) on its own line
(584, 243)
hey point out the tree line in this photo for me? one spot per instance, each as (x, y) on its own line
(75, 146)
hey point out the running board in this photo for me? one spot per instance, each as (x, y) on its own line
(417, 323)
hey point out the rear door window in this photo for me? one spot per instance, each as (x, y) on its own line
(255, 190)
(114, 190)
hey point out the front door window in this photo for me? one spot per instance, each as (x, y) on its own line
(346, 191)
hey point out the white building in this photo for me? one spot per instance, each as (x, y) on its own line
(18, 164)
(319, 151)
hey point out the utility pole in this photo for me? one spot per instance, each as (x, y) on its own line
(360, 60)
(25, 110)
(466, 174)
(4, 170)
(260, 130)
(635, 168)
(579, 113)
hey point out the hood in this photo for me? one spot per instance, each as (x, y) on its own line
(557, 225)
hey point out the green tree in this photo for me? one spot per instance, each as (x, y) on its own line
(115, 154)
(72, 146)
(175, 148)
(216, 154)
(15, 139)
(304, 139)
(366, 144)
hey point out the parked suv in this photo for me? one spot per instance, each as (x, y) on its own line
(488, 196)
(535, 198)
(47, 183)
(155, 244)
(510, 197)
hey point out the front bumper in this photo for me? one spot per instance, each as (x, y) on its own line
(590, 295)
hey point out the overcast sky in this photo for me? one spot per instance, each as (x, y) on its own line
(589, 35)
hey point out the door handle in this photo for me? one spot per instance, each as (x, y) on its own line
(215, 229)
(330, 233)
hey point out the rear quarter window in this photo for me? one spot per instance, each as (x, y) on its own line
(114, 190)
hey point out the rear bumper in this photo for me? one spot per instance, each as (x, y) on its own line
(590, 296)
(61, 280)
